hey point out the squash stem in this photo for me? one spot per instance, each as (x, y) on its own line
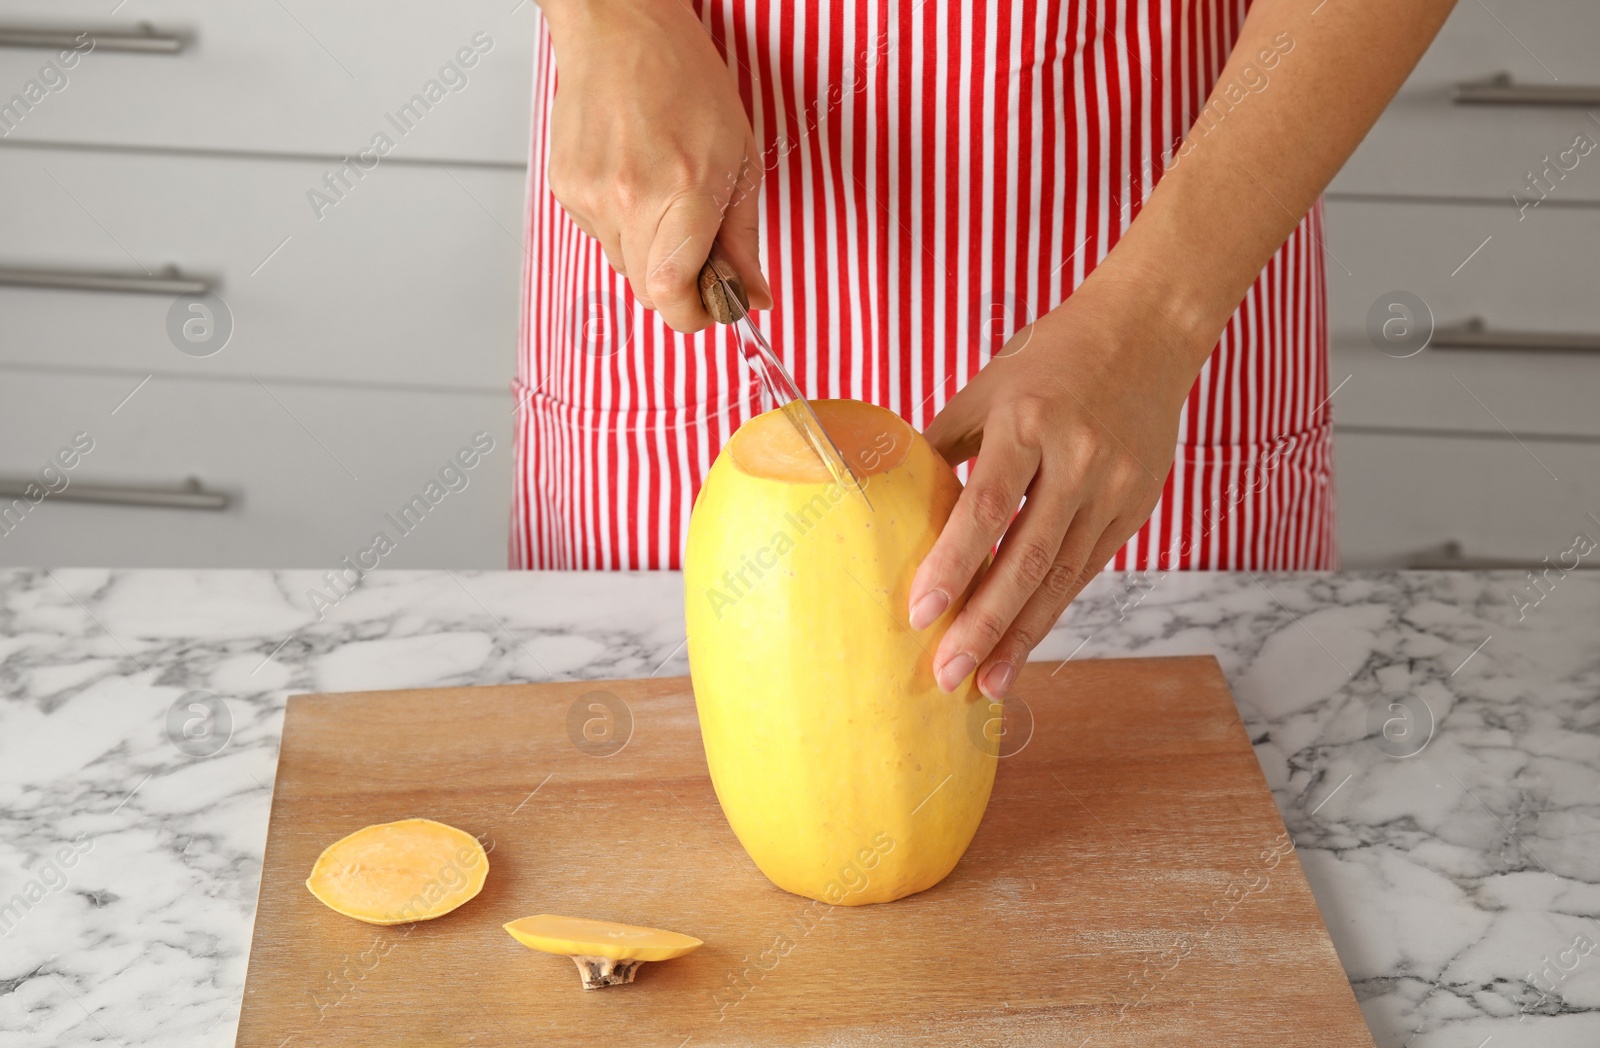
(604, 971)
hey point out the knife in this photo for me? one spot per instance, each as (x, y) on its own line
(724, 298)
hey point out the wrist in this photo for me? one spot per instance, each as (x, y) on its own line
(1188, 300)
(1162, 327)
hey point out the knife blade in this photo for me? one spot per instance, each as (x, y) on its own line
(724, 298)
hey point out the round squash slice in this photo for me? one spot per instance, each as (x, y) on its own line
(399, 872)
(605, 952)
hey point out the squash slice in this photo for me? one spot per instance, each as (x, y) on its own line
(399, 872)
(605, 952)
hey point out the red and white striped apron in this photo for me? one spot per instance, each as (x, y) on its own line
(939, 172)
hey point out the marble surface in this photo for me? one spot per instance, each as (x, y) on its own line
(1461, 882)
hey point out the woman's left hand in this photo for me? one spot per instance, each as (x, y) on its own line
(1079, 413)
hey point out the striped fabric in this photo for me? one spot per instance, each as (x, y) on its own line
(938, 173)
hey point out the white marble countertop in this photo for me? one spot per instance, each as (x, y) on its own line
(1461, 883)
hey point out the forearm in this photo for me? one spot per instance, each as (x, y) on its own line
(1267, 144)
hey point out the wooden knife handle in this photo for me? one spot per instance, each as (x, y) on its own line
(715, 295)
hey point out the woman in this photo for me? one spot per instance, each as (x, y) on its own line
(983, 214)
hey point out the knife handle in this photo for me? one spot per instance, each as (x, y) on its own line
(714, 292)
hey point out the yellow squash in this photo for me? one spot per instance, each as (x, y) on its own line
(845, 772)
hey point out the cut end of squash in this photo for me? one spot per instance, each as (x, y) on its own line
(606, 953)
(400, 872)
(871, 439)
(581, 937)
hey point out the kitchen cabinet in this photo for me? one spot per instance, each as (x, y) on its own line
(281, 77)
(1481, 445)
(1503, 87)
(1435, 499)
(312, 471)
(412, 279)
(1535, 278)
(359, 318)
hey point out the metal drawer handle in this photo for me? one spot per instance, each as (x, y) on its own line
(1450, 557)
(190, 496)
(145, 40)
(1501, 90)
(167, 282)
(1473, 333)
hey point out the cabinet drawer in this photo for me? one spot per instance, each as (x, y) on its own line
(312, 472)
(412, 278)
(1428, 143)
(1399, 495)
(1534, 276)
(294, 76)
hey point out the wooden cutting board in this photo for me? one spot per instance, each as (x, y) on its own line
(1131, 884)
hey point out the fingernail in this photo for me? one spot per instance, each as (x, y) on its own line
(930, 607)
(955, 671)
(998, 680)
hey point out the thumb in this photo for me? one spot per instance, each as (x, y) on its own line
(682, 241)
(740, 236)
(956, 433)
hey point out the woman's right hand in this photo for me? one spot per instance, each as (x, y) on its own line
(651, 151)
